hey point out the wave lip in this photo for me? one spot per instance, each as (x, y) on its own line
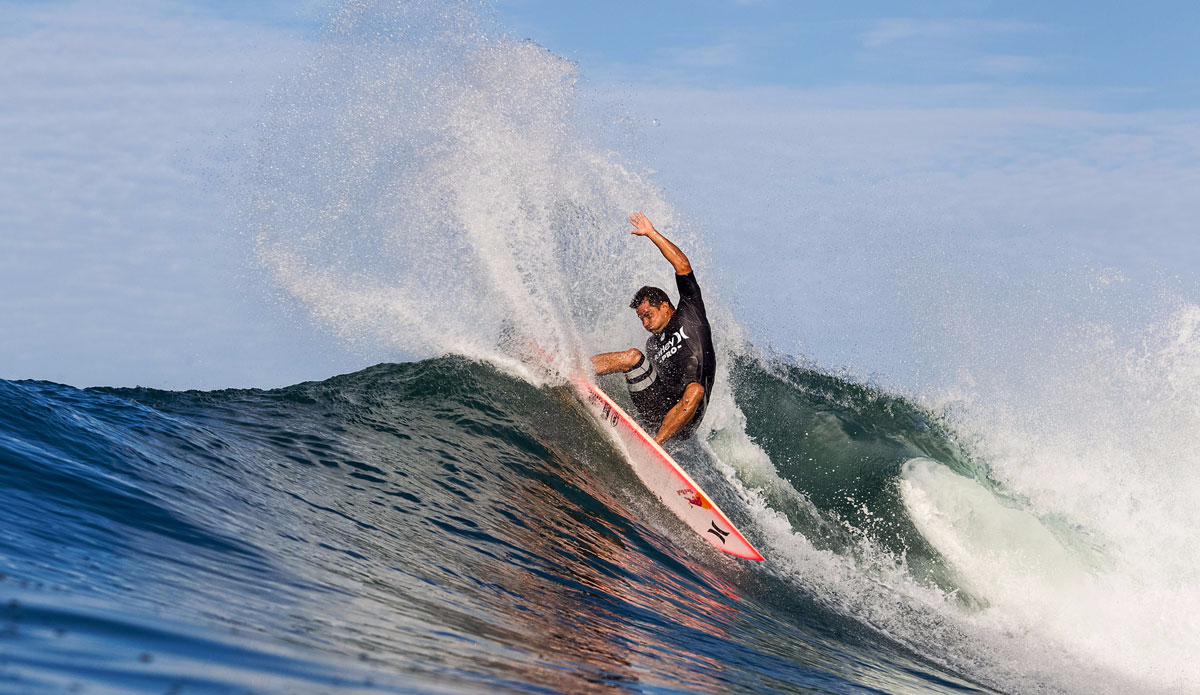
(1047, 579)
(998, 550)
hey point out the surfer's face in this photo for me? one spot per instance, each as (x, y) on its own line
(654, 318)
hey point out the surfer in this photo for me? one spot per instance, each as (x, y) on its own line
(670, 382)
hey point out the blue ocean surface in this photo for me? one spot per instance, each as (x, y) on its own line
(435, 527)
(446, 527)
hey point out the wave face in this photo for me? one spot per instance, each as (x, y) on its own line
(434, 527)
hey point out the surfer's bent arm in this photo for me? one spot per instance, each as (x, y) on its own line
(677, 259)
(681, 413)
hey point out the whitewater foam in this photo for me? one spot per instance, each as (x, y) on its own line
(1105, 449)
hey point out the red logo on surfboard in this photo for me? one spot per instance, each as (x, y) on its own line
(695, 498)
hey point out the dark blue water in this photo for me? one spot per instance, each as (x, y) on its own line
(430, 527)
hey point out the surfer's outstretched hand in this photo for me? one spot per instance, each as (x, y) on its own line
(642, 227)
(641, 224)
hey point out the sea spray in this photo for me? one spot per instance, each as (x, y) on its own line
(423, 186)
(1096, 454)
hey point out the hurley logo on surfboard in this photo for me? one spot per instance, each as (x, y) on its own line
(718, 532)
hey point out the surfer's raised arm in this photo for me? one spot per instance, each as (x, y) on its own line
(642, 227)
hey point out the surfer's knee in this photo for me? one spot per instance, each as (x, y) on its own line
(630, 359)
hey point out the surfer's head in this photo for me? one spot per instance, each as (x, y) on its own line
(653, 307)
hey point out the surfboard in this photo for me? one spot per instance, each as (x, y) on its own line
(664, 477)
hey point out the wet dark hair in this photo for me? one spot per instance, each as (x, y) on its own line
(653, 295)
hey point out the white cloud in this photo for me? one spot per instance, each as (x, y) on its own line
(716, 56)
(946, 49)
(887, 31)
(1009, 65)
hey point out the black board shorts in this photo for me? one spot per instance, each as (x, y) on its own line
(653, 398)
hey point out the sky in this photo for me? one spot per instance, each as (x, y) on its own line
(881, 185)
(1124, 56)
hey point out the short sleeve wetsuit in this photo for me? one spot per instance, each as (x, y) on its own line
(680, 355)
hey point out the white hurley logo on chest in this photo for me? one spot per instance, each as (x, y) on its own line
(671, 345)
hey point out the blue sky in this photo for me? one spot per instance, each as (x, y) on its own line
(871, 178)
(1124, 55)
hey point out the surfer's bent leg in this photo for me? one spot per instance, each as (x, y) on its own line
(646, 390)
(610, 362)
(641, 375)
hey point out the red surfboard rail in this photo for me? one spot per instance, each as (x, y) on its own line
(664, 477)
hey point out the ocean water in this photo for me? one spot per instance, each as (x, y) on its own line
(448, 526)
(437, 526)
(427, 185)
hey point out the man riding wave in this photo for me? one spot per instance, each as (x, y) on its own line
(670, 382)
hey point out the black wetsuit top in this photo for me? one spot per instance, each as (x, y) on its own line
(682, 354)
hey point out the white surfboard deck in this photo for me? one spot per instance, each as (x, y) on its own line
(664, 477)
